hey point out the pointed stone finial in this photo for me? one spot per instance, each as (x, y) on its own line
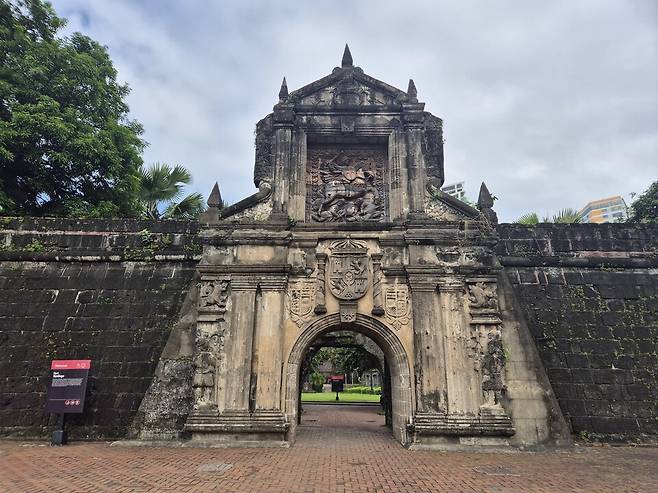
(347, 58)
(485, 204)
(215, 199)
(283, 92)
(412, 92)
(485, 200)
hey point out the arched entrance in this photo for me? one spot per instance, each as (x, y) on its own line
(394, 351)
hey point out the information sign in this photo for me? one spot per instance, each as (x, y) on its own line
(67, 387)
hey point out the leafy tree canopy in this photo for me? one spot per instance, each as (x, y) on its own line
(67, 146)
(347, 359)
(645, 207)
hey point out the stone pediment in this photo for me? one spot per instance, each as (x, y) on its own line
(348, 87)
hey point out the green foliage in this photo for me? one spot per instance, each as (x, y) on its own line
(529, 218)
(160, 187)
(67, 147)
(347, 359)
(645, 207)
(317, 381)
(565, 216)
(358, 389)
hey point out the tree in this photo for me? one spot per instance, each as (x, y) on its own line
(645, 207)
(160, 187)
(67, 147)
(565, 216)
(530, 218)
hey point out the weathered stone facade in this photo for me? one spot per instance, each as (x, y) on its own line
(201, 330)
(359, 238)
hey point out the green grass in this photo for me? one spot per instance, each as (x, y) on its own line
(343, 397)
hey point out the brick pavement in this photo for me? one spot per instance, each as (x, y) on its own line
(339, 449)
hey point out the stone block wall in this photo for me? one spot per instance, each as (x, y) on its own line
(589, 294)
(108, 291)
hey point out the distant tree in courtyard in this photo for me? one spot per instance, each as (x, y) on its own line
(645, 207)
(67, 147)
(160, 188)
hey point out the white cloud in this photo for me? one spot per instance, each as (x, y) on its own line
(552, 104)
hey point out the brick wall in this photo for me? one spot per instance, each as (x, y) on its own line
(77, 289)
(590, 298)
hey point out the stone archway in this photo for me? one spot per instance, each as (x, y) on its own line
(394, 351)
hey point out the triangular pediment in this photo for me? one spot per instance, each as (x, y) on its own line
(348, 87)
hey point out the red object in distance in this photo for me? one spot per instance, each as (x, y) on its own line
(70, 364)
(337, 378)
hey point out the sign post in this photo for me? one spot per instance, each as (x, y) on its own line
(337, 384)
(66, 392)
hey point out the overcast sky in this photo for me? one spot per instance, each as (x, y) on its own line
(551, 103)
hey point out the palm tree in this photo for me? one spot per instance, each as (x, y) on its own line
(530, 218)
(160, 188)
(567, 216)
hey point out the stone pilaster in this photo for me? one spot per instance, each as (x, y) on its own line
(283, 123)
(462, 382)
(269, 343)
(413, 116)
(428, 342)
(320, 307)
(235, 378)
(377, 300)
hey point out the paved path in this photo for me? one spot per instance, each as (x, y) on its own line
(340, 449)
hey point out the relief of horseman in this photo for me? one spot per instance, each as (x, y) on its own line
(349, 193)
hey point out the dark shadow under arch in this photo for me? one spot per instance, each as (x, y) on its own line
(394, 351)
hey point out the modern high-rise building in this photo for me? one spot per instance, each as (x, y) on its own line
(606, 210)
(455, 189)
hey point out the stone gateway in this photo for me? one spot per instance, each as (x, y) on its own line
(485, 333)
(350, 232)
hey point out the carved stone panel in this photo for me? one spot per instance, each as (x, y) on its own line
(348, 269)
(483, 301)
(396, 306)
(301, 300)
(346, 183)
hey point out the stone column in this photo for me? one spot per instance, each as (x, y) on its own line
(428, 343)
(269, 343)
(462, 382)
(235, 377)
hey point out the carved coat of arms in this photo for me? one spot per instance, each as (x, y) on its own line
(301, 297)
(348, 269)
(396, 306)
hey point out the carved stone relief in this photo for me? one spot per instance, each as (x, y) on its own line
(350, 92)
(213, 295)
(209, 341)
(397, 307)
(492, 366)
(345, 183)
(301, 300)
(482, 296)
(209, 345)
(348, 269)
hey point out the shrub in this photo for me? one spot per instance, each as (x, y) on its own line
(360, 389)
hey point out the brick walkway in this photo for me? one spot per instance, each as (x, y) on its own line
(340, 449)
